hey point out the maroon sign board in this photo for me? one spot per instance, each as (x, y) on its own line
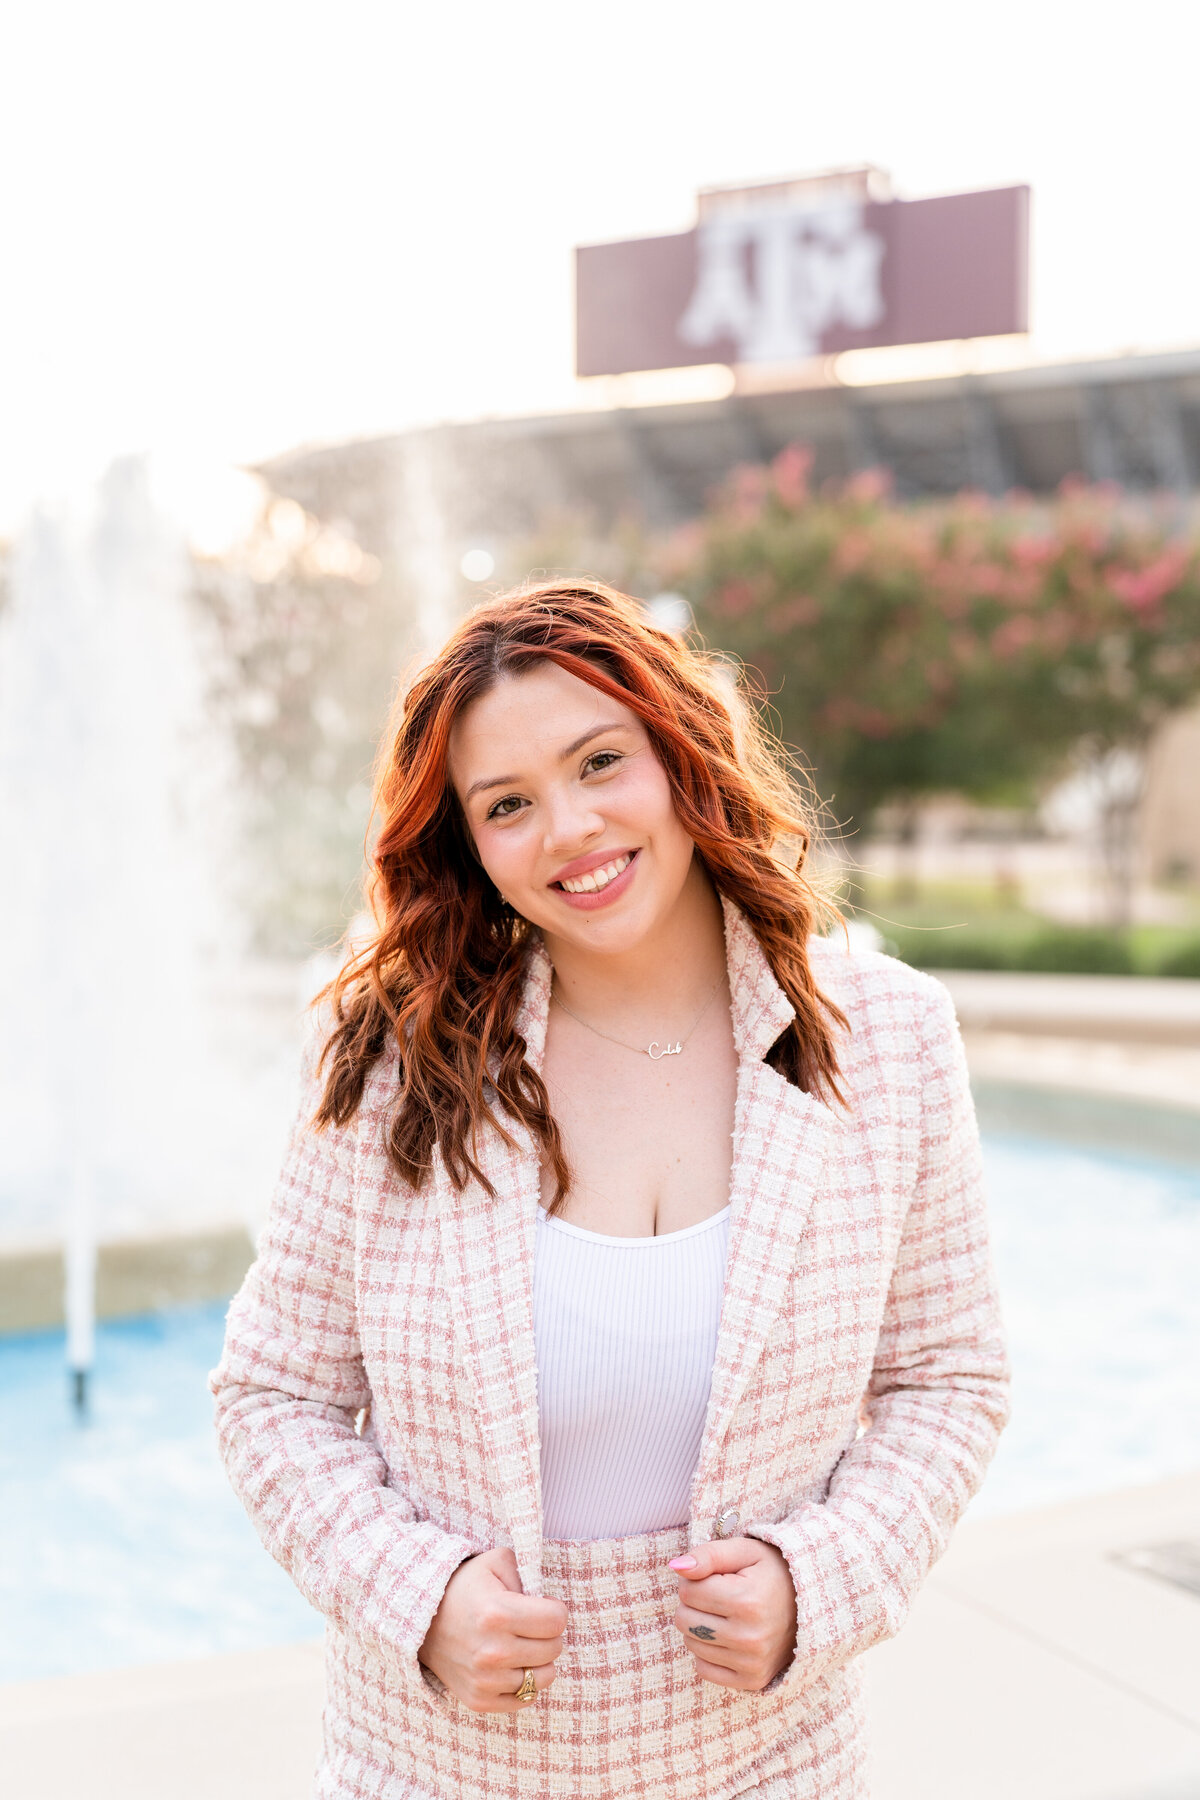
(788, 279)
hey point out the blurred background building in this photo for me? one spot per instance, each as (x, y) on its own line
(1132, 420)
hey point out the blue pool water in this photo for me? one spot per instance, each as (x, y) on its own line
(1098, 1258)
(123, 1541)
(124, 1544)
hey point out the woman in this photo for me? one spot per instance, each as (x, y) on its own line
(622, 1347)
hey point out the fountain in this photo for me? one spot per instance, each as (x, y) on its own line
(121, 1114)
(424, 540)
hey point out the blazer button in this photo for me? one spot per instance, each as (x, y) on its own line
(727, 1524)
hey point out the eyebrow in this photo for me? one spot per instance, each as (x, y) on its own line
(495, 781)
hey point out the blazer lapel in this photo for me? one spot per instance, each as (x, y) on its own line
(488, 1245)
(780, 1140)
(780, 1137)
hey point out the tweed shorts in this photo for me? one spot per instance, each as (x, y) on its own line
(627, 1715)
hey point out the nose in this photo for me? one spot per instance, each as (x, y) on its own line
(571, 824)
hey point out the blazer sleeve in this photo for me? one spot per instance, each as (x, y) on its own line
(288, 1390)
(937, 1398)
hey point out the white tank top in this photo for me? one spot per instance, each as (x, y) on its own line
(625, 1332)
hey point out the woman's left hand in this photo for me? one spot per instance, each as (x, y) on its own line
(737, 1611)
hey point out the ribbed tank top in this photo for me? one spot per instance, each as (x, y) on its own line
(625, 1331)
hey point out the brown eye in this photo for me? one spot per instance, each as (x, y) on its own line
(504, 809)
(602, 760)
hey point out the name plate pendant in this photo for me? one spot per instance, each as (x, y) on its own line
(656, 1053)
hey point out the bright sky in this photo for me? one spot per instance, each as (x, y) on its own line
(244, 224)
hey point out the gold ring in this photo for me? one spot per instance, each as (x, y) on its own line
(528, 1689)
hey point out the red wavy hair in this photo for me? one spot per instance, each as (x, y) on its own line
(439, 984)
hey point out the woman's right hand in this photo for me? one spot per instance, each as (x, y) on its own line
(486, 1633)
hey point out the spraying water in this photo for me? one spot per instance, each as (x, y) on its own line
(424, 540)
(113, 1098)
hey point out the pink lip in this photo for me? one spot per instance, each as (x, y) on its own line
(595, 859)
(584, 866)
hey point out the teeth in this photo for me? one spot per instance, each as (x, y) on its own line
(596, 879)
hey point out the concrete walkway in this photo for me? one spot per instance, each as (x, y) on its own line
(1037, 1665)
(1150, 1073)
(241, 1727)
(1126, 1007)
(1113, 1036)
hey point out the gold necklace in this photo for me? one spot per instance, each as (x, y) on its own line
(655, 1051)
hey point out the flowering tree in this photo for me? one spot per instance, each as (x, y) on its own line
(971, 645)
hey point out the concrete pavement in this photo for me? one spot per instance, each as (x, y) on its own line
(243, 1727)
(1038, 1664)
(1114, 1037)
(1130, 1008)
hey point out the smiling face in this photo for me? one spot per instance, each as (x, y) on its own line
(570, 810)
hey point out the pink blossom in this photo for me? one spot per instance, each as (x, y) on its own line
(789, 474)
(735, 599)
(954, 603)
(1142, 589)
(973, 503)
(872, 721)
(852, 551)
(1073, 487)
(988, 578)
(1059, 630)
(1015, 635)
(801, 609)
(746, 491)
(869, 485)
(1022, 587)
(1034, 552)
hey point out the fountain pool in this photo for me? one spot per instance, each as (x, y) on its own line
(125, 1544)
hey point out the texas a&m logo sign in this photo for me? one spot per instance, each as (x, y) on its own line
(798, 269)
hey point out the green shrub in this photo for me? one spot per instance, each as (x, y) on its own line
(1077, 950)
(1051, 950)
(1048, 950)
(950, 949)
(1183, 960)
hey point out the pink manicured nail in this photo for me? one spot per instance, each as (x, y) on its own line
(682, 1562)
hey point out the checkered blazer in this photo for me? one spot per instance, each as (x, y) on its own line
(858, 1389)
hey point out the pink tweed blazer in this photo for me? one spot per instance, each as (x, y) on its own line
(858, 1390)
